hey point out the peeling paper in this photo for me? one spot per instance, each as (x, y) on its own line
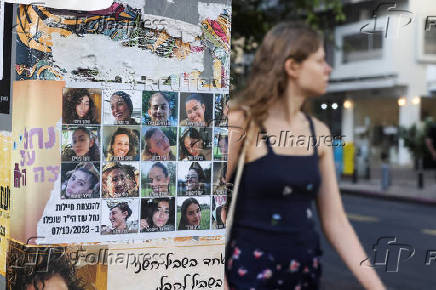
(177, 28)
(112, 60)
(209, 10)
(83, 5)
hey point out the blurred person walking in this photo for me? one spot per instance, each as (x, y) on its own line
(272, 243)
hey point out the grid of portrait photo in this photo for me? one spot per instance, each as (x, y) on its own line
(156, 160)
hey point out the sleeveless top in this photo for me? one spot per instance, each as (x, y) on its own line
(274, 206)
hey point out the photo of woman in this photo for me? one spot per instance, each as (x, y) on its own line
(157, 214)
(158, 179)
(193, 213)
(80, 180)
(221, 110)
(159, 144)
(80, 144)
(121, 217)
(221, 144)
(194, 178)
(122, 144)
(196, 110)
(270, 213)
(122, 108)
(219, 178)
(195, 144)
(159, 108)
(219, 212)
(120, 180)
(79, 106)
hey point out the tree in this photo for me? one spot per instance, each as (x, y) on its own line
(251, 19)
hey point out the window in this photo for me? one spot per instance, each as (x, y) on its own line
(361, 46)
(430, 41)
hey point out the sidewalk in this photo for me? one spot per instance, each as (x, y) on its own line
(403, 188)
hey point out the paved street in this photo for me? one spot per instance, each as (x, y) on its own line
(412, 224)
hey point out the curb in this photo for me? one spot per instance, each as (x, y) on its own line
(380, 195)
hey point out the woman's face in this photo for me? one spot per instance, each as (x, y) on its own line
(117, 183)
(314, 74)
(55, 282)
(193, 146)
(79, 184)
(162, 215)
(120, 109)
(121, 145)
(192, 180)
(82, 108)
(159, 108)
(193, 214)
(81, 142)
(222, 143)
(195, 111)
(118, 218)
(158, 181)
(159, 143)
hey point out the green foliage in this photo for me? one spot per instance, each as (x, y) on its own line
(251, 19)
(414, 139)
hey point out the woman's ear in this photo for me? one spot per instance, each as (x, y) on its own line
(292, 68)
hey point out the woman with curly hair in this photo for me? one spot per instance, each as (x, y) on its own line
(52, 269)
(122, 108)
(123, 145)
(79, 108)
(119, 180)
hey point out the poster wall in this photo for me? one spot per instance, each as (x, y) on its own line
(5, 195)
(119, 144)
(80, 176)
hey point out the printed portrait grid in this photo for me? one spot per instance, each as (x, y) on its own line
(161, 158)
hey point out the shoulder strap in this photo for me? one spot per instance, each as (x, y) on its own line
(313, 135)
(234, 189)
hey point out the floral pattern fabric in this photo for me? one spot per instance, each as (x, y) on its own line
(252, 268)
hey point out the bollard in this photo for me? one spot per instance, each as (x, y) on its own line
(355, 178)
(420, 180)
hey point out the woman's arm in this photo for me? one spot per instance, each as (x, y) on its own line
(236, 125)
(334, 222)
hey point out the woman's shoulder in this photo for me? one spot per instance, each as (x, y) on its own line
(321, 129)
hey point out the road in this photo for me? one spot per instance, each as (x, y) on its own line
(412, 224)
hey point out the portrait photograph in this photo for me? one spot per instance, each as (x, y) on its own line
(119, 216)
(80, 143)
(193, 178)
(193, 213)
(81, 106)
(196, 110)
(122, 107)
(159, 108)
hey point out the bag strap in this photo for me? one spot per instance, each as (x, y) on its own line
(234, 195)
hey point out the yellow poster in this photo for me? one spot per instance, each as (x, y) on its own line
(348, 158)
(5, 194)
